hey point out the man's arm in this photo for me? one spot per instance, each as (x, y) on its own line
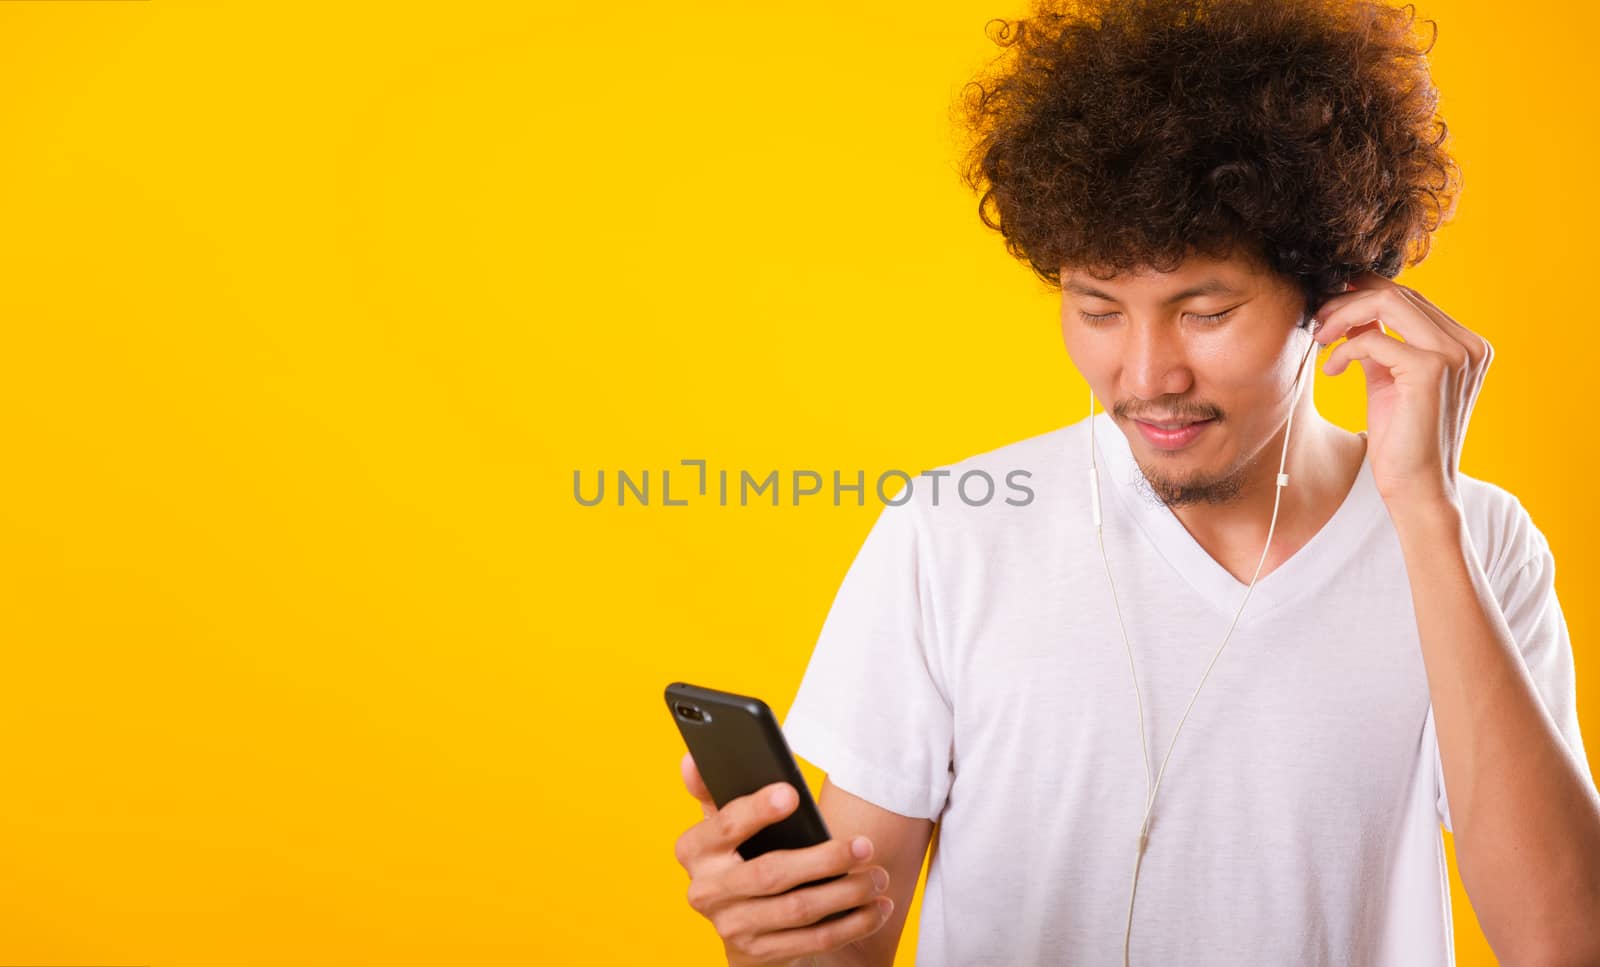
(899, 844)
(1526, 818)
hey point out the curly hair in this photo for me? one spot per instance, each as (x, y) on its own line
(1120, 134)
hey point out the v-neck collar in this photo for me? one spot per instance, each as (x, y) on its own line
(1308, 568)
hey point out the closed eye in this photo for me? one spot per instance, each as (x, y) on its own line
(1215, 317)
(1207, 319)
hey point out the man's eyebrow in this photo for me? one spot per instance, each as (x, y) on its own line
(1212, 286)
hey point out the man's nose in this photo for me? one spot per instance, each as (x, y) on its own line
(1153, 362)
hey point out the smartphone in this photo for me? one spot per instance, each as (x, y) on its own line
(739, 748)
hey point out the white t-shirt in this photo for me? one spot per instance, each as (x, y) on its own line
(971, 671)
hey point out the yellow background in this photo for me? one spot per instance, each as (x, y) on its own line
(310, 312)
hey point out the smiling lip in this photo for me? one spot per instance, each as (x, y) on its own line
(1175, 439)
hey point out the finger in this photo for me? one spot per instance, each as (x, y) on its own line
(1324, 331)
(1369, 284)
(780, 871)
(695, 784)
(1398, 357)
(822, 938)
(714, 840)
(800, 908)
(1477, 347)
(1394, 311)
(1351, 333)
(777, 872)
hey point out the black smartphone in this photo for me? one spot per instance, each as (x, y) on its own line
(739, 748)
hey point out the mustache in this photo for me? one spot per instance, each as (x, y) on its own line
(1158, 413)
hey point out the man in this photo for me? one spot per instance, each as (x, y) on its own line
(1202, 180)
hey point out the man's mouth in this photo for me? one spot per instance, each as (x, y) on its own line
(1168, 435)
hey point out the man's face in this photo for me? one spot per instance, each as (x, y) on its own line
(1145, 343)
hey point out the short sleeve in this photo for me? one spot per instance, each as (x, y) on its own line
(871, 711)
(1527, 596)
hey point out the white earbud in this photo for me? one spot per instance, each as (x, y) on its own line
(1094, 490)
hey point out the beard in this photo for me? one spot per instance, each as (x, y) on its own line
(1194, 488)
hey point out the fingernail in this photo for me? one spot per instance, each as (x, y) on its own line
(780, 797)
(861, 847)
(880, 879)
(885, 906)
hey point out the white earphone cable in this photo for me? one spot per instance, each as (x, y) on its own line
(1094, 482)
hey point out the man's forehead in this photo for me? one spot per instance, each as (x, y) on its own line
(1170, 286)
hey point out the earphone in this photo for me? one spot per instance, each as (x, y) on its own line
(1094, 489)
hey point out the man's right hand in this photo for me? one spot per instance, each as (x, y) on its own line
(749, 901)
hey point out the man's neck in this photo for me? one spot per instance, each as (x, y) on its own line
(1324, 460)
